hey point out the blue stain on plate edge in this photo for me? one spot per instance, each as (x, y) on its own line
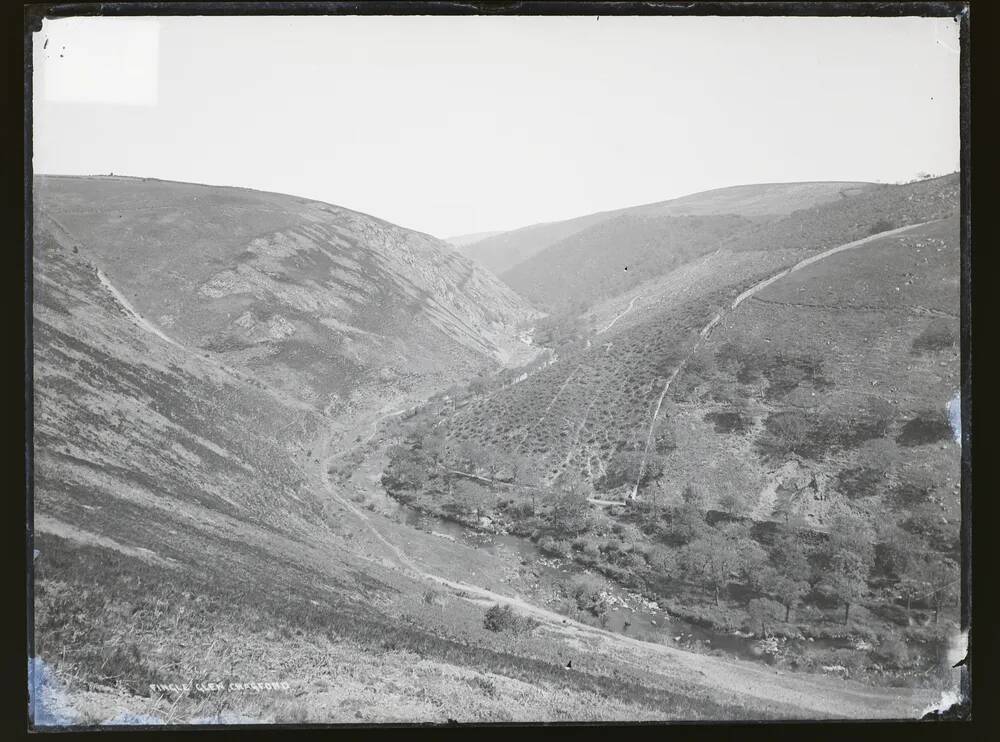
(955, 416)
(48, 705)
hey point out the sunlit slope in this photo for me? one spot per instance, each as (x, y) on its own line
(829, 390)
(759, 202)
(598, 400)
(339, 308)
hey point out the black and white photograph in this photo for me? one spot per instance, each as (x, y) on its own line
(452, 366)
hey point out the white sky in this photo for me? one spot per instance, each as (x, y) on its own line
(453, 125)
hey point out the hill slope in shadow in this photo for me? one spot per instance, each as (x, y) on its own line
(761, 202)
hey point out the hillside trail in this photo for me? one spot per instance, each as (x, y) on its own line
(66, 240)
(811, 694)
(755, 289)
(619, 316)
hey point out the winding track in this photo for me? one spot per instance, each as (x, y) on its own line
(619, 316)
(809, 694)
(801, 694)
(755, 289)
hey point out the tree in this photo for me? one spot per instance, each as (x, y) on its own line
(717, 556)
(470, 457)
(694, 497)
(764, 611)
(625, 466)
(471, 496)
(688, 521)
(895, 550)
(734, 503)
(787, 590)
(912, 587)
(569, 501)
(492, 463)
(790, 556)
(663, 560)
(848, 557)
(432, 445)
(407, 469)
(751, 556)
(706, 560)
(943, 577)
(523, 475)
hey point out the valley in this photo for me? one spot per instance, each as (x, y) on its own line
(276, 440)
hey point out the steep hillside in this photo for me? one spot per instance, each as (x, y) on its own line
(761, 202)
(837, 376)
(598, 398)
(760, 440)
(337, 308)
(189, 548)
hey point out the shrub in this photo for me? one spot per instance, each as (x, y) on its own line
(914, 490)
(553, 546)
(882, 225)
(786, 433)
(925, 428)
(939, 335)
(502, 618)
(732, 421)
(586, 592)
(859, 482)
(487, 686)
(433, 597)
(892, 652)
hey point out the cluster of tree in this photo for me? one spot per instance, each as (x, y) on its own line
(565, 330)
(778, 579)
(814, 436)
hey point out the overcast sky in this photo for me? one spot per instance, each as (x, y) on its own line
(453, 125)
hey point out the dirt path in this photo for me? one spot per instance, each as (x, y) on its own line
(812, 694)
(134, 315)
(618, 317)
(755, 289)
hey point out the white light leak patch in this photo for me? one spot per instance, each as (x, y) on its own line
(955, 416)
(98, 60)
(958, 646)
(48, 702)
(948, 699)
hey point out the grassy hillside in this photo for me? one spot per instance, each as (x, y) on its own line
(338, 308)
(614, 256)
(761, 202)
(183, 534)
(813, 412)
(598, 399)
(619, 254)
(843, 369)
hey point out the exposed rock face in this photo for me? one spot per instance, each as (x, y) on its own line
(315, 298)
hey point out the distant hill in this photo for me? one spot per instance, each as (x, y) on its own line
(336, 307)
(758, 202)
(615, 255)
(464, 240)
